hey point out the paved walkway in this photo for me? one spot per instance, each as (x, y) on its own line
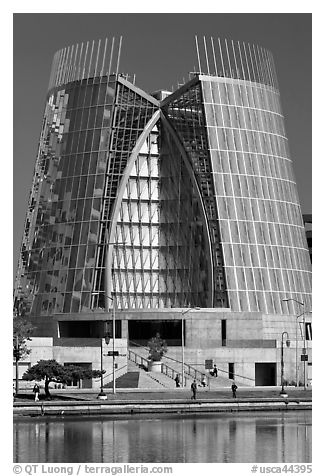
(177, 401)
(139, 395)
(222, 394)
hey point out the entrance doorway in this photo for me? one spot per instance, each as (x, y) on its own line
(140, 332)
(265, 374)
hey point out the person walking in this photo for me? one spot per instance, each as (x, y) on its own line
(177, 381)
(234, 388)
(215, 371)
(36, 391)
(194, 390)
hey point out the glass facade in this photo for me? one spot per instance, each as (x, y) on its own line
(132, 111)
(260, 220)
(162, 259)
(190, 201)
(186, 114)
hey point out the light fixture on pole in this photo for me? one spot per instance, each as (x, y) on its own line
(297, 317)
(107, 340)
(114, 379)
(102, 395)
(283, 393)
(108, 292)
(183, 340)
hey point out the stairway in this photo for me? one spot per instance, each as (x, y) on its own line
(150, 380)
(174, 366)
(170, 368)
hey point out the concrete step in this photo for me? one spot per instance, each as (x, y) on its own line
(151, 379)
(164, 380)
(148, 381)
(215, 382)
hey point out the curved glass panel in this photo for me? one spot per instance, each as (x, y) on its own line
(263, 236)
(162, 259)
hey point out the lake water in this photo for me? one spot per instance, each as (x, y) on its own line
(252, 437)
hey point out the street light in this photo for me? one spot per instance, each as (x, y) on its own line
(183, 343)
(107, 267)
(113, 305)
(303, 336)
(107, 341)
(283, 393)
(102, 395)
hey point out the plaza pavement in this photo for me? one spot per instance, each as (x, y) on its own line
(138, 395)
(178, 401)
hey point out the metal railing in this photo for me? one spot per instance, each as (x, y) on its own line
(138, 359)
(144, 363)
(196, 374)
(188, 369)
(170, 372)
(193, 372)
(110, 374)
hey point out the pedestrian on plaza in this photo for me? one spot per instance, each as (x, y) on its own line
(215, 371)
(204, 381)
(194, 390)
(36, 391)
(178, 381)
(234, 388)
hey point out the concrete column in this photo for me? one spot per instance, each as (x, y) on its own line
(124, 329)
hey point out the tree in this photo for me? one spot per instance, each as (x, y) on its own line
(22, 331)
(157, 348)
(52, 371)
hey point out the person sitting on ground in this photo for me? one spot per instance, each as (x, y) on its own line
(204, 381)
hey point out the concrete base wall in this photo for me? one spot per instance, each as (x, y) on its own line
(251, 338)
(42, 348)
(244, 361)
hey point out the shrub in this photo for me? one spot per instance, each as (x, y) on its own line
(157, 348)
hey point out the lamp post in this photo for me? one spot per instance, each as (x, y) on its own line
(283, 393)
(107, 268)
(113, 305)
(183, 340)
(297, 317)
(102, 395)
(108, 291)
(107, 342)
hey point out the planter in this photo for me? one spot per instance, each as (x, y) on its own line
(154, 366)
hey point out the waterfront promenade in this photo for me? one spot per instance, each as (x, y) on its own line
(132, 401)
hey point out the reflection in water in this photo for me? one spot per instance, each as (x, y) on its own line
(272, 437)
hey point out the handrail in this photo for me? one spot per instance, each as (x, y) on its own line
(111, 373)
(196, 374)
(195, 371)
(164, 370)
(235, 375)
(136, 357)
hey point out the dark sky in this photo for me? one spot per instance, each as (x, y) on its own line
(159, 49)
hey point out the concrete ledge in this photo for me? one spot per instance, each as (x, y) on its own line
(40, 409)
